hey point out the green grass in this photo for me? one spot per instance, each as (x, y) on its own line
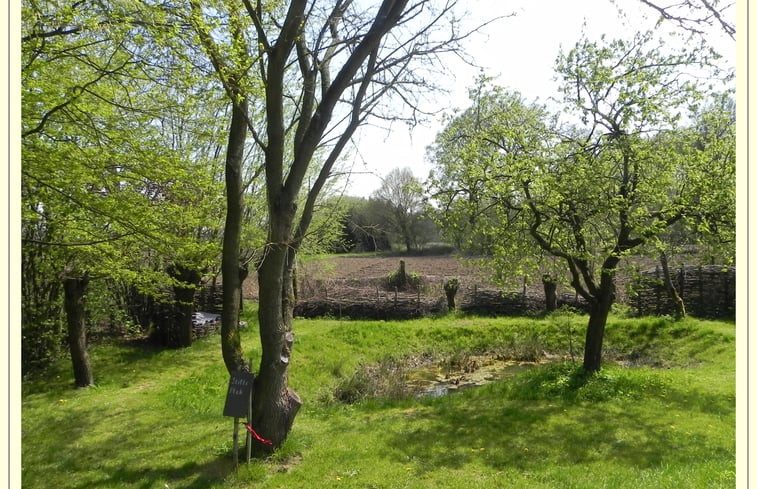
(154, 419)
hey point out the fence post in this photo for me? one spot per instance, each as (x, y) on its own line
(657, 289)
(725, 301)
(700, 300)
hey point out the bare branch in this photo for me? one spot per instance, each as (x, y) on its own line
(690, 22)
(75, 243)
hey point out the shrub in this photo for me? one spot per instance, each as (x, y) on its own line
(402, 280)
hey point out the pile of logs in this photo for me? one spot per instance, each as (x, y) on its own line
(204, 323)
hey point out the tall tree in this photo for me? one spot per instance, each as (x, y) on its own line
(616, 178)
(106, 171)
(64, 62)
(477, 148)
(318, 71)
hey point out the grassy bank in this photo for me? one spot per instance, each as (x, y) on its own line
(664, 418)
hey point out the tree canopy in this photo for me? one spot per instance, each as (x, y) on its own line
(615, 175)
(116, 143)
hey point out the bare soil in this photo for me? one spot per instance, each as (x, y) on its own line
(432, 269)
(359, 287)
(339, 273)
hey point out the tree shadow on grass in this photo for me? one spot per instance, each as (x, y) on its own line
(109, 447)
(190, 475)
(109, 361)
(129, 462)
(530, 434)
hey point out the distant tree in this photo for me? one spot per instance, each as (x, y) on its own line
(327, 231)
(469, 153)
(710, 224)
(401, 205)
(361, 229)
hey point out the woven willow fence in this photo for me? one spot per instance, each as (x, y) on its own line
(707, 291)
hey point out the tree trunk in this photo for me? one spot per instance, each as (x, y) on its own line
(595, 332)
(401, 275)
(231, 344)
(184, 294)
(680, 312)
(550, 293)
(74, 291)
(244, 271)
(450, 289)
(275, 405)
(408, 242)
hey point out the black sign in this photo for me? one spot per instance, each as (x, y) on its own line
(238, 395)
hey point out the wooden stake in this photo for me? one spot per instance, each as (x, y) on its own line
(248, 438)
(235, 437)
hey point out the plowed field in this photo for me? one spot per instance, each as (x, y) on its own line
(339, 274)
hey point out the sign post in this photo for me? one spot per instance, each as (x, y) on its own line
(248, 438)
(237, 403)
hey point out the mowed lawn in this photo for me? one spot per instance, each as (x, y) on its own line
(660, 414)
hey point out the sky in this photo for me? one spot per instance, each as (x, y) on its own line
(519, 52)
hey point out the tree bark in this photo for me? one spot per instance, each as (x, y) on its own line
(231, 345)
(275, 405)
(244, 271)
(595, 331)
(184, 294)
(450, 289)
(74, 292)
(550, 293)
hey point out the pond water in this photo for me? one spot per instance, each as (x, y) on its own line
(436, 380)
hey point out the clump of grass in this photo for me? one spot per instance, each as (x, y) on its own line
(401, 280)
(458, 361)
(528, 347)
(385, 379)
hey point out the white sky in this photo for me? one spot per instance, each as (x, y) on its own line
(519, 52)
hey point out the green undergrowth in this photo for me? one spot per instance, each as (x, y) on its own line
(661, 412)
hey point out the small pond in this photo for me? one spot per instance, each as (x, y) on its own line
(438, 380)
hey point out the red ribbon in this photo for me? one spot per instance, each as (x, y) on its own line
(256, 436)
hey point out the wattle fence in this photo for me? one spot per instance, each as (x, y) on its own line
(708, 291)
